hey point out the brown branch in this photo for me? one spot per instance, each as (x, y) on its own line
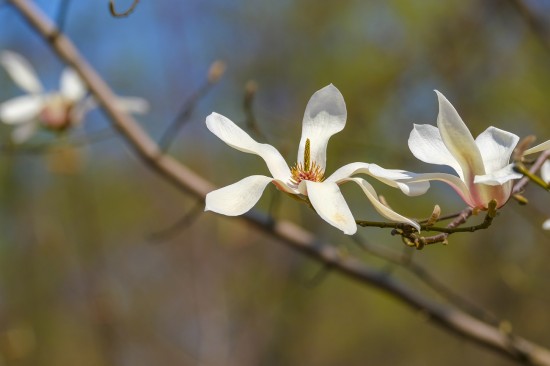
(123, 14)
(404, 260)
(454, 320)
(408, 231)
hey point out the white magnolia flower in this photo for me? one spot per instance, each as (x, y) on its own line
(325, 115)
(483, 165)
(55, 110)
(545, 174)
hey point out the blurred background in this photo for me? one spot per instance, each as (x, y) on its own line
(104, 263)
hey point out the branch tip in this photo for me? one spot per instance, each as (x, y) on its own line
(116, 14)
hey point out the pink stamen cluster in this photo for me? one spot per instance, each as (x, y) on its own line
(300, 172)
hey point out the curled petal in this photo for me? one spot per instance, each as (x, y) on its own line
(426, 144)
(237, 198)
(347, 171)
(401, 179)
(455, 182)
(545, 171)
(325, 115)
(135, 105)
(328, 202)
(496, 146)
(379, 206)
(235, 137)
(71, 86)
(392, 177)
(23, 132)
(546, 225)
(544, 146)
(21, 109)
(21, 72)
(498, 177)
(458, 139)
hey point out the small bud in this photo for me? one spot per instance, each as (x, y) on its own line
(505, 327)
(521, 199)
(216, 71)
(434, 216)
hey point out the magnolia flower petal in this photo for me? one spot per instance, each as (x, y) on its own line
(86, 105)
(426, 144)
(546, 225)
(455, 182)
(545, 171)
(347, 171)
(23, 132)
(382, 209)
(21, 71)
(496, 146)
(71, 85)
(80, 109)
(328, 202)
(544, 146)
(285, 187)
(21, 109)
(135, 105)
(235, 137)
(458, 139)
(399, 179)
(498, 177)
(392, 177)
(325, 115)
(237, 198)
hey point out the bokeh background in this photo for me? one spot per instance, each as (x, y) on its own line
(87, 279)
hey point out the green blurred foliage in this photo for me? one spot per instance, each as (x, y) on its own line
(83, 283)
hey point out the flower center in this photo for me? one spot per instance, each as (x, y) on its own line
(308, 170)
(56, 114)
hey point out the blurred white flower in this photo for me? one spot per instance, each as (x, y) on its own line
(325, 115)
(54, 110)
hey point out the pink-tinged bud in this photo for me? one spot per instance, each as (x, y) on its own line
(57, 113)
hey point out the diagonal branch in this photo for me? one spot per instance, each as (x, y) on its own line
(455, 321)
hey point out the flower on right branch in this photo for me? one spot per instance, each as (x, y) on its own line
(482, 165)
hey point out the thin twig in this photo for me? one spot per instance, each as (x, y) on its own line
(535, 23)
(520, 185)
(181, 224)
(116, 14)
(448, 229)
(454, 320)
(251, 122)
(215, 73)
